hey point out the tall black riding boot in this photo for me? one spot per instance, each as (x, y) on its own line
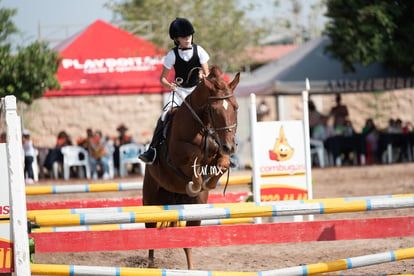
(151, 154)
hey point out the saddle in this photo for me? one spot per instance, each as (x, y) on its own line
(162, 145)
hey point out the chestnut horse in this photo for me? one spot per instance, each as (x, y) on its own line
(197, 150)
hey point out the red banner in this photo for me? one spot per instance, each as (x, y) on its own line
(6, 256)
(279, 192)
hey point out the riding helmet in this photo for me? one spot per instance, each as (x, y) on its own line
(181, 27)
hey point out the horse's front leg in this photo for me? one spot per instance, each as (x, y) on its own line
(222, 164)
(194, 186)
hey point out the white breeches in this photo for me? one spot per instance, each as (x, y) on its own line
(175, 100)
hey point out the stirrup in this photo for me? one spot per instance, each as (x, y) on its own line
(149, 156)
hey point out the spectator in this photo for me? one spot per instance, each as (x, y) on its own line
(55, 154)
(394, 126)
(29, 156)
(348, 128)
(314, 116)
(99, 154)
(371, 137)
(398, 126)
(122, 139)
(339, 113)
(407, 128)
(84, 142)
(323, 130)
(3, 137)
(262, 111)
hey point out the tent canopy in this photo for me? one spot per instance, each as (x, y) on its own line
(105, 60)
(287, 75)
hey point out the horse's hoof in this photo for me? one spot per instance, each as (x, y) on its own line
(205, 187)
(191, 192)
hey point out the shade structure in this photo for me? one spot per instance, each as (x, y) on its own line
(287, 75)
(105, 60)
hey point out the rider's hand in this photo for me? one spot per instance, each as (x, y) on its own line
(173, 87)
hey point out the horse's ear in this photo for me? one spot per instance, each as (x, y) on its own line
(235, 81)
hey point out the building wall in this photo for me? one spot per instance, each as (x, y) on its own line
(47, 116)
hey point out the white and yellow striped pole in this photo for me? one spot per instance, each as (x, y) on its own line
(233, 211)
(310, 269)
(31, 214)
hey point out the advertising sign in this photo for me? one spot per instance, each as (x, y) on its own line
(281, 160)
(6, 258)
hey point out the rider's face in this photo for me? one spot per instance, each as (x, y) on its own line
(185, 42)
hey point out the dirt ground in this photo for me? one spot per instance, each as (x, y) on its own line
(328, 182)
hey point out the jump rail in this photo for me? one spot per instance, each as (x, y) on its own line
(215, 200)
(124, 226)
(204, 236)
(129, 201)
(237, 210)
(83, 188)
(310, 269)
(108, 187)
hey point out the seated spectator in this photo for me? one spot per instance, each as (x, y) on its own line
(314, 116)
(323, 130)
(55, 154)
(263, 110)
(29, 156)
(99, 154)
(398, 126)
(3, 137)
(84, 142)
(371, 137)
(394, 126)
(348, 129)
(407, 128)
(122, 139)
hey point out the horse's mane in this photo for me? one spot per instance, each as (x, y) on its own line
(215, 77)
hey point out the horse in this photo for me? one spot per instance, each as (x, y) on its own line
(196, 150)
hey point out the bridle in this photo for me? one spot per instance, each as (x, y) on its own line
(208, 131)
(218, 98)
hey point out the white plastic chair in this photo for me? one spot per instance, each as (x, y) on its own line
(75, 156)
(110, 151)
(128, 154)
(318, 149)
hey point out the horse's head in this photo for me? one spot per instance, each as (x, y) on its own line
(221, 109)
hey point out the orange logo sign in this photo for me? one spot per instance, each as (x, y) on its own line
(282, 151)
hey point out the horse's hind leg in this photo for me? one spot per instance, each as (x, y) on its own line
(189, 257)
(151, 251)
(189, 251)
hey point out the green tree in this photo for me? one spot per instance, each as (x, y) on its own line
(31, 71)
(7, 27)
(372, 31)
(221, 27)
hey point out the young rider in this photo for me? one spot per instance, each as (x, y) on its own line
(190, 62)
